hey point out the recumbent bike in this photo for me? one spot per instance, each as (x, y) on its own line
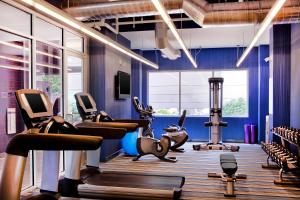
(176, 132)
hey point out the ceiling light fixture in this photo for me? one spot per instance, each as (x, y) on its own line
(167, 19)
(63, 17)
(264, 25)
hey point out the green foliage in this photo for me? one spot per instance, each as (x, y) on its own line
(54, 82)
(236, 107)
(166, 112)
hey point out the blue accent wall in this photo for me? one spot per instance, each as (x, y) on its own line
(263, 90)
(104, 64)
(214, 58)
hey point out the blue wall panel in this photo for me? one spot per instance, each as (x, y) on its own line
(215, 58)
(104, 64)
(263, 90)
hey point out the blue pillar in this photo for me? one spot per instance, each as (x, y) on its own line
(263, 93)
(280, 69)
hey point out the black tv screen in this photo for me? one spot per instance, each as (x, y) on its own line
(36, 103)
(122, 85)
(86, 101)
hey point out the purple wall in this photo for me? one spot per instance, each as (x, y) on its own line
(11, 80)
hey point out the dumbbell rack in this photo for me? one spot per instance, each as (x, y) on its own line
(281, 154)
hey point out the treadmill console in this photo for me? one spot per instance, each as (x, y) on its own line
(35, 106)
(85, 103)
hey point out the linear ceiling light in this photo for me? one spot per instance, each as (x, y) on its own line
(167, 19)
(63, 17)
(264, 25)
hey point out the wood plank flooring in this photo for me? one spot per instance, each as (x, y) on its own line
(195, 165)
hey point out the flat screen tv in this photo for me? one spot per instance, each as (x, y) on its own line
(122, 85)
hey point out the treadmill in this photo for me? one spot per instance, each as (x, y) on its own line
(101, 184)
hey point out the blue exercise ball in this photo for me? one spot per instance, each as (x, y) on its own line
(129, 143)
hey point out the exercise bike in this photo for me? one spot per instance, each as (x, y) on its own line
(176, 132)
(141, 145)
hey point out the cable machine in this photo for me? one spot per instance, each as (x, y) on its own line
(215, 119)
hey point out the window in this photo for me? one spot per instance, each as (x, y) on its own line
(18, 29)
(15, 19)
(73, 41)
(194, 92)
(74, 85)
(164, 92)
(235, 93)
(49, 74)
(14, 75)
(48, 32)
(170, 92)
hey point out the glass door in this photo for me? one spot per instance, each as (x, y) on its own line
(73, 84)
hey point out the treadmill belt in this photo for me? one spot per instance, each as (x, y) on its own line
(136, 181)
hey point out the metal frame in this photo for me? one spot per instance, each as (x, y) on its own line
(201, 70)
(32, 59)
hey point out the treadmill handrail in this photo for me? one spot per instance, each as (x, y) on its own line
(141, 122)
(21, 144)
(95, 129)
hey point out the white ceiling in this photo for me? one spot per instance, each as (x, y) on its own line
(210, 37)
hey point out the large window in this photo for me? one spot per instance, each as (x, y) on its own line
(171, 92)
(15, 19)
(14, 75)
(48, 32)
(164, 92)
(73, 41)
(32, 50)
(235, 94)
(74, 85)
(194, 92)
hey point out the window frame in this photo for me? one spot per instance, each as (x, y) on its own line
(32, 77)
(213, 75)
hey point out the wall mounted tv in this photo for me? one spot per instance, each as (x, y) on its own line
(122, 85)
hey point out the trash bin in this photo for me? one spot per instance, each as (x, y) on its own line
(253, 139)
(247, 129)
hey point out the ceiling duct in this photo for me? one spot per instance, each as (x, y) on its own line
(162, 42)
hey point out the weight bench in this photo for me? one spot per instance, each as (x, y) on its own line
(229, 166)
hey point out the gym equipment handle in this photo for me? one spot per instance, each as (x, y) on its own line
(22, 143)
(141, 122)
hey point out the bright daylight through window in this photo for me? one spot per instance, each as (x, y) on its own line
(171, 92)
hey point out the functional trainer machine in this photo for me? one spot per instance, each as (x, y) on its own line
(145, 145)
(176, 132)
(229, 166)
(215, 123)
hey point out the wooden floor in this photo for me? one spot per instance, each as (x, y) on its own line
(195, 165)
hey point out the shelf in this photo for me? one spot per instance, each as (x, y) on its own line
(291, 142)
